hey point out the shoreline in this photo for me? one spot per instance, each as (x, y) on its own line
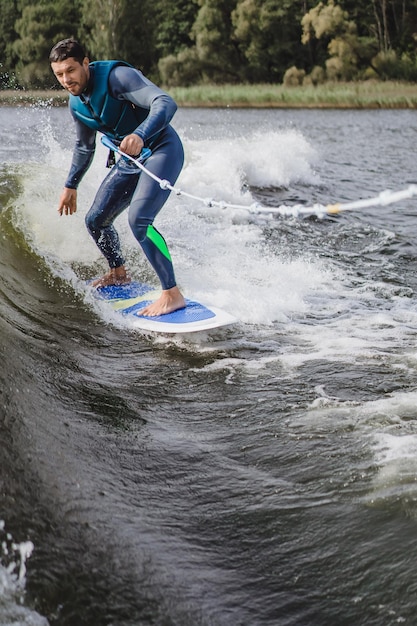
(363, 95)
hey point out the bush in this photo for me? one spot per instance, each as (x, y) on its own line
(334, 69)
(293, 77)
(317, 76)
(178, 70)
(389, 67)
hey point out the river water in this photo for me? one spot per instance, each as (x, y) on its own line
(263, 474)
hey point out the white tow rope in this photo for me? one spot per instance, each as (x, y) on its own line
(382, 199)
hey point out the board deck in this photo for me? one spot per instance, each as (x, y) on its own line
(129, 299)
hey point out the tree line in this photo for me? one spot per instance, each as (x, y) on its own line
(189, 42)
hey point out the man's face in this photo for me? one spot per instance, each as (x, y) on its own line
(73, 76)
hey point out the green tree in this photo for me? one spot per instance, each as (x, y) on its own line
(215, 45)
(216, 55)
(392, 23)
(325, 21)
(395, 23)
(268, 34)
(178, 63)
(38, 28)
(194, 41)
(138, 31)
(174, 21)
(347, 53)
(9, 13)
(121, 29)
(100, 22)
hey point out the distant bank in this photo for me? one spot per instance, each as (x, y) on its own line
(363, 95)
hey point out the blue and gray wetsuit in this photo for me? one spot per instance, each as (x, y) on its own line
(119, 101)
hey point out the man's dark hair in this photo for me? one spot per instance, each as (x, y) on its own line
(67, 49)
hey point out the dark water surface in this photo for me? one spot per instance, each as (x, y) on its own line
(260, 475)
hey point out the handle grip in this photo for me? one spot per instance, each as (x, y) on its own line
(106, 141)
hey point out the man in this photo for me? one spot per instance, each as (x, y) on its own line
(116, 99)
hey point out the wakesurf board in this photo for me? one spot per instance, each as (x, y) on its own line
(129, 299)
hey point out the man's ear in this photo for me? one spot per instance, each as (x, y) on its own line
(86, 63)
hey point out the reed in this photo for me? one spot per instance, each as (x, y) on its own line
(20, 97)
(352, 95)
(370, 94)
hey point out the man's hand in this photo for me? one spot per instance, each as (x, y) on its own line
(67, 202)
(131, 145)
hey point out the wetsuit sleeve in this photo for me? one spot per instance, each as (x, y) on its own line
(83, 154)
(128, 83)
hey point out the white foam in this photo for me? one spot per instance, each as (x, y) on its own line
(219, 255)
(218, 169)
(13, 558)
(52, 235)
(396, 479)
(384, 428)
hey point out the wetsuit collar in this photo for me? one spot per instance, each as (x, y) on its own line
(86, 94)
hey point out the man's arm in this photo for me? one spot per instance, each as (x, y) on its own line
(127, 83)
(83, 154)
(82, 157)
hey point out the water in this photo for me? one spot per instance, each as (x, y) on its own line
(260, 475)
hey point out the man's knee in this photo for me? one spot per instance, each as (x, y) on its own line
(89, 222)
(139, 228)
(93, 223)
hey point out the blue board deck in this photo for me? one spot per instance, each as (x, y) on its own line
(128, 300)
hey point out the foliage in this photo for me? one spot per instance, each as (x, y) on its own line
(174, 21)
(40, 25)
(8, 16)
(387, 65)
(293, 77)
(189, 42)
(268, 36)
(181, 69)
(119, 29)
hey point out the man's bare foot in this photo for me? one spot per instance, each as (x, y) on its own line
(115, 276)
(169, 301)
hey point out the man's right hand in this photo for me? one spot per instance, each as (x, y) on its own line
(67, 202)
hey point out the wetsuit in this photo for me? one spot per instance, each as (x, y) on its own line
(121, 93)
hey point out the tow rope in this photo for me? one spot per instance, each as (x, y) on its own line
(320, 210)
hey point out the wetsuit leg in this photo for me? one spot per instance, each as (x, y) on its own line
(113, 197)
(166, 162)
